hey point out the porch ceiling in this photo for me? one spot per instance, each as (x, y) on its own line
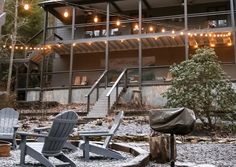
(132, 44)
(119, 45)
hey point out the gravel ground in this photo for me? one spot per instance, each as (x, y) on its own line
(76, 157)
(204, 154)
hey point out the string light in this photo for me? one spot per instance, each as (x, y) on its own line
(118, 22)
(136, 27)
(73, 44)
(95, 19)
(26, 6)
(212, 45)
(229, 44)
(163, 30)
(150, 28)
(195, 46)
(181, 33)
(66, 14)
(173, 31)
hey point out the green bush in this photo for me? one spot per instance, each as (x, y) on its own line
(201, 85)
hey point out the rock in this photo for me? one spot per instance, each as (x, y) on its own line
(98, 122)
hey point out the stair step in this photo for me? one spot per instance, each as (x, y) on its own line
(100, 109)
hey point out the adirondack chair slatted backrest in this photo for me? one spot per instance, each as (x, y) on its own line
(8, 119)
(62, 126)
(114, 128)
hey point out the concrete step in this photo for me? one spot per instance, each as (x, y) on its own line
(100, 109)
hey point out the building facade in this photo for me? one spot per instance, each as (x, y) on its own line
(85, 40)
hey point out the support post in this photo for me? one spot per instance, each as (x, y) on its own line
(43, 58)
(186, 29)
(71, 56)
(233, 27)
(17, 78)
(27, 76)
(140, 48)
(107, 43)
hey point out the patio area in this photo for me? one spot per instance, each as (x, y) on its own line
(200, 150)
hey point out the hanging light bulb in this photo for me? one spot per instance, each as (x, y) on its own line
(26, 6)
(195, 46)
(136, 27)
(212, 45)
(118, 22)
(173, 31)
(95, 19)
(151, 29)
(163, 30)
(66, 14)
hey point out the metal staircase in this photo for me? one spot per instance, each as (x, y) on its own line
(109, 96)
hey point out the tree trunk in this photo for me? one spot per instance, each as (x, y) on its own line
(160, 148)
(136, 98)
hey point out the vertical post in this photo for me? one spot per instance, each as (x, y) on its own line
(140, 48)
(71, 56)
(108, 104)
(107, 43)
(43, 58)
(125, 80)
(172, 150)
(97, 96)
(186, 29)
(233, 27)
(88, 103)
(117, 87)
(27, 76)
(17, 78)
(13, 43)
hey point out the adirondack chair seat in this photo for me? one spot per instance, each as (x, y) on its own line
(101, 149)
(53, 142)
(98, 148)
(9, 125)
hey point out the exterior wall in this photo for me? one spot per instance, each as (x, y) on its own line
(151, 95)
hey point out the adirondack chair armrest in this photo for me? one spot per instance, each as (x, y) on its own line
(92, 132)
(96, 134)
(40, 129)
(25, 134)
(16, 127)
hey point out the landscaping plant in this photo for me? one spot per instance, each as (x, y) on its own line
(201, 85)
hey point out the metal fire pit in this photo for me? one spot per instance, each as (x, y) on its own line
(178, 121)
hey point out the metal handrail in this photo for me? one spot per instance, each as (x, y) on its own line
(95, 85)
(116, 85)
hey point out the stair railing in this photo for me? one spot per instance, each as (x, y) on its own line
(95, 86)
(123, 76)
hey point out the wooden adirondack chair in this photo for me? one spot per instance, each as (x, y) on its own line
(99, 149)
(62, 126)
(9, 125)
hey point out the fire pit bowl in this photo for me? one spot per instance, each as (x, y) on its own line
(5, 148)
